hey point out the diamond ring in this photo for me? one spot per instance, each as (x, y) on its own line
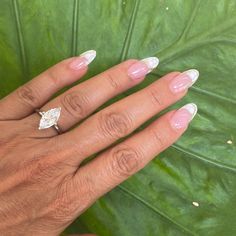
(49, 118)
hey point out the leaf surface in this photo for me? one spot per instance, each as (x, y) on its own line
(201, 166)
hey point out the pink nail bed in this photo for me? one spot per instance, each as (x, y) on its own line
(138, 70)
(183, 116)
(78, 63)
(83, 60)
(142, 67)
(184, 80)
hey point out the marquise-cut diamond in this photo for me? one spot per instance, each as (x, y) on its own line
(49, 118)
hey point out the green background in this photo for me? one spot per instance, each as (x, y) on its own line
(201, 166)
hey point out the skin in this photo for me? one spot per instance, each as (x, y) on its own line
(43, 186)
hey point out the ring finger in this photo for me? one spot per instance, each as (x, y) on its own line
(81, 100)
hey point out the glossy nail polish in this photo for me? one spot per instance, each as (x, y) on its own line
(183, 116)
(184, 80)
(83, 60)
(142, 67)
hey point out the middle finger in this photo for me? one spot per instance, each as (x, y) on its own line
(121, 118)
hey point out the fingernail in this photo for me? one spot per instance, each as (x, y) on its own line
(143, 67)
(151, 62)
(83, 60)
(184, 80)
(89, 56)
(183, 116)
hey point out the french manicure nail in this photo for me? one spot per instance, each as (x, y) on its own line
(151, 62)
(183, 116)
(89, 56)
(184, 80)
(143, 67)
(83, 60)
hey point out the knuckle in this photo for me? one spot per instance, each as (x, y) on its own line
(52, 75)
(28, 96)
(112, 79)
(76, 104)
(38, 171)
(114, 124)
(87, 190)
(42, 170)
(158, 139)
(63, 207)
(125, 161)
(155, 96)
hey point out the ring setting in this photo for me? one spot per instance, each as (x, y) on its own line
(49, 118)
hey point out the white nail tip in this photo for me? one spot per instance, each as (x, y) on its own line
(193, 74)
(191, 108)
(151, 62)
(89, 55)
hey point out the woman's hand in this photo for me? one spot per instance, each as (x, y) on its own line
(43, 186)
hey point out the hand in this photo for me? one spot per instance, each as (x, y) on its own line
(43, 186)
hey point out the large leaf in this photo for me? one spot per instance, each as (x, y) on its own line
(201, 166)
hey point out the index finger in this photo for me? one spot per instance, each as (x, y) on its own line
(25, 99)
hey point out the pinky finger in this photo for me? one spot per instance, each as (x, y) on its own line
(123, 160)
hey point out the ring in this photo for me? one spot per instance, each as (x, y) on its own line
(49, 118)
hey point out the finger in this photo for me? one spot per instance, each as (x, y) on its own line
(24, 100)
(123, 117)
(123, 160)
(81, 100)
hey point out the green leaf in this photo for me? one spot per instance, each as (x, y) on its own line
(201, 166)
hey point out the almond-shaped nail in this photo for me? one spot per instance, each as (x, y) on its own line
(184, 80)
(83, 60)
(142, 67)
(183, 116)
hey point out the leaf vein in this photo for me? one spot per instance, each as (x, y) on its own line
(190, 21)
(204, 91)
(203, 158)
(20, 38)
(213, 94)
(155, 209)
(75, 23)
(128, 36)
